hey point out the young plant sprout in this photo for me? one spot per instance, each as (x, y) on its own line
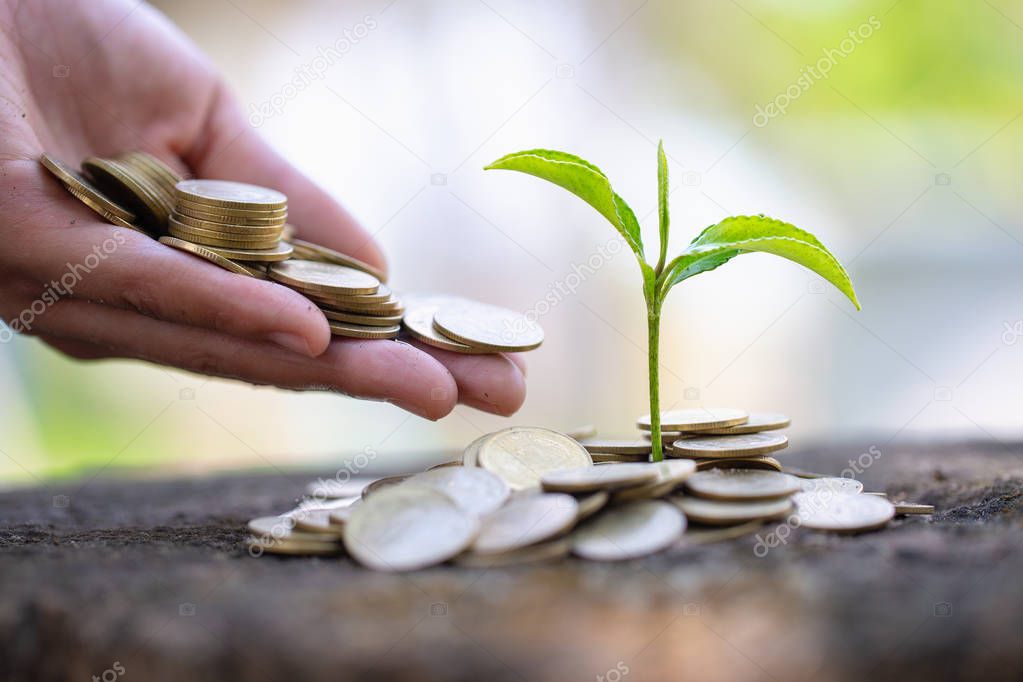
(713, 247)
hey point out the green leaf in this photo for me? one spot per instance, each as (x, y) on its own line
(662, 203)
(719, 243)
(581, 178)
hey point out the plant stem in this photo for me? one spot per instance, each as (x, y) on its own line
(653, 350)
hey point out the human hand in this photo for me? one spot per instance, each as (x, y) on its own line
(100, 78)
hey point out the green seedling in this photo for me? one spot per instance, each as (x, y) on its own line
(713, 247)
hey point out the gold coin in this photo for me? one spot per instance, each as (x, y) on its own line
(521, 455)
(526, 520)
(741, 484)
(84, 190)
(206, 254)
(418, 322)
(357, 331)
(470, 456)
(766, 463)
(408, 527)
(904, 508)
(109, 217)
(229, 194)
(832, 483)
(206, 238)
(323, 278)
(381, 295)
(353, 318)
(757, 422)
(719, 513)
(544, 551)
(228, 228)
(388, 308)
(475, 490)
(222, 216)
(842, 512)
(294, 547)
(589, 478)
(168, 175)
(629, 531)
(132, 188)
(582, 432)
(281, 252)
(730, 446)
(670, 475)
(311, 251)
(617, 446)
(696, 419)
(487, 326)
(141, 166)
(591, 503)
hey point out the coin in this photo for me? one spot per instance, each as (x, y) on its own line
(98, 208)
(729, 446)
(273, 528)
(341, 517)
(381, 483)
(206, 254)
(544, 551)
(388, 308)
(617, 446)
(357, 331)
(904, 508)
(473, 489)
(629, 531)
(706, 536)
(741, 484)
(486, 326)
(83, 189)
(842, 512)
(325, 278)
(834, 484)
(591, 503)
(582, 432)
(470, 456)
(767, 463)
(696, 419)
(229, 194)
(526, 520)
(317, 521)
(281, 252)
(801, 473)
(720, 513)
(293, 547)
(521, 455)
(418, 322)
(210, 238)
(589, 477)
(310, 251)
(758, 421)
(226, 228)
(264, 219)
(407, 527)
(670, 475)
(132, 189)
(332, 488)
(605, 458)
(355, 318)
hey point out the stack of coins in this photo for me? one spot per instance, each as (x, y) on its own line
(240, 222)
(463, 326)
(133, 189)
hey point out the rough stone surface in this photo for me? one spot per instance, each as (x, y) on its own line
(152, 576)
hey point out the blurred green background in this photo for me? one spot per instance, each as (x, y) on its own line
(906, 160)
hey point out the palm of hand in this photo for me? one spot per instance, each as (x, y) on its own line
(83, 79)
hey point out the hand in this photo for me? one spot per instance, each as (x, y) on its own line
(97, 78)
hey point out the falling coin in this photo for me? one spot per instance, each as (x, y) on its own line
(629, 531)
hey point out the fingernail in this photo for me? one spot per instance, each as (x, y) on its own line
(292, 342)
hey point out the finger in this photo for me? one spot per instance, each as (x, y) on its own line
(126, 269)
(79, 350)
(493, 383)
(519, 361)
(376, 370)
(232, 150)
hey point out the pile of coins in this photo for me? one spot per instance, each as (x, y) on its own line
(527, 494)
(243, 228)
